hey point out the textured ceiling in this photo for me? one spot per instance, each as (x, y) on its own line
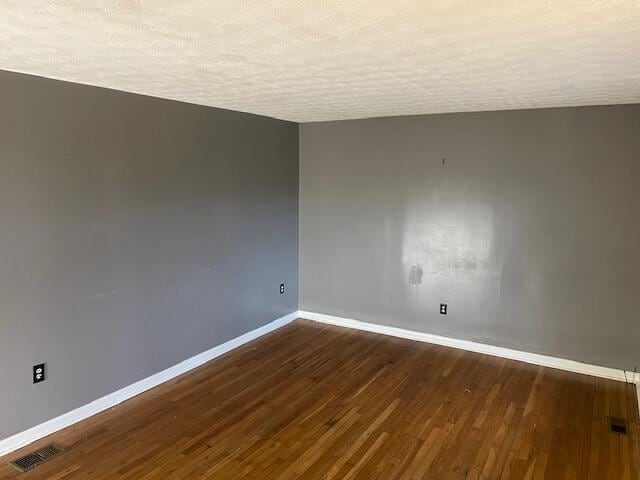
(306, 60)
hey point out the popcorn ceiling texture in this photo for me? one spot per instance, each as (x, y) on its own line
(334, 59)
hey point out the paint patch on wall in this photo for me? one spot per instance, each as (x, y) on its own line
(415, 275)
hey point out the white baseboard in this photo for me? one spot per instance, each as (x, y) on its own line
(533, 358)
(31, 435)
(22, 439)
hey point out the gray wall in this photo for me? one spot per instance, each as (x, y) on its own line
(530, 231)
(134, 233)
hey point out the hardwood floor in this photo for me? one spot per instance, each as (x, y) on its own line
(311, 401)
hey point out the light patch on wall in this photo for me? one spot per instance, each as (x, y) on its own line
(450, 245)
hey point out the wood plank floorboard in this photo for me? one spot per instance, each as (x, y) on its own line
(313, 401)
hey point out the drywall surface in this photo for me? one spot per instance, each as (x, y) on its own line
(134, 233)
(526, 223)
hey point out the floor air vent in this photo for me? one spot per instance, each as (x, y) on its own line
(38, 457)
(618, 425)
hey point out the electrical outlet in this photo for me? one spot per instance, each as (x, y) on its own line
(39, 373)
(281, 288)
(443, 309)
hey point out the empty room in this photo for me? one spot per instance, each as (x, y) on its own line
(306, 240)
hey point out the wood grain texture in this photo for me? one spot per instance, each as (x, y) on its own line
(313, 401)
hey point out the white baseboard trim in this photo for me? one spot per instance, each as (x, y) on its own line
(533, 358)
(26, 437)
